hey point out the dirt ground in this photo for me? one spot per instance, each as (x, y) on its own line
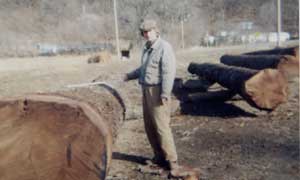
(227, 141)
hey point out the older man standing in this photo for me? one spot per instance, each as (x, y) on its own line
(156, 76)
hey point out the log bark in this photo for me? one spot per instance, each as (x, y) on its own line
(196, 90)
(221, 95)
(264, 89)
(58, 136)
(197, 84)
(130, 95)
(289, 65)
(293, 51)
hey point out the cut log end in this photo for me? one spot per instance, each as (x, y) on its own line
(52, 137)
(267, 89)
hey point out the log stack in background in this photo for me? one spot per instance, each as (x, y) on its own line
(59, 136)
(260, 78)
(285, 60)
(264, 89)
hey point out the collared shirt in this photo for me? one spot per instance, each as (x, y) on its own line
(158, 66)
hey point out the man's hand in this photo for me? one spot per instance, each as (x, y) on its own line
(164, 100)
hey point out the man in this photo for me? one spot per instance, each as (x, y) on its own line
(156, 76)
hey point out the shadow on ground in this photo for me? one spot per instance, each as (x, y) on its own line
(131, 158)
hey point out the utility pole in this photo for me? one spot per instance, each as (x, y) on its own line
(183, 18)
(117, 29)
(278, 22)
(182, 33)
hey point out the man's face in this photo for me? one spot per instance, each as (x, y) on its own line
(150, 35)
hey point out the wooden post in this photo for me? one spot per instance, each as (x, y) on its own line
(278, 22)
(264, 89)
(61, 135)
(117, 29)
(182, 34)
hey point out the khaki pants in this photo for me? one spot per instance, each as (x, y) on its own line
(157, 124)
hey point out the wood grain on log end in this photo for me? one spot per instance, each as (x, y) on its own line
(267, 89)
(52, 138)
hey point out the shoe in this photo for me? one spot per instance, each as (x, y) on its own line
(184, 172)
(150, 169)
(173, 165)
(157, 161)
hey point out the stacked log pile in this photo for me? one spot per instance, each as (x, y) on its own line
(264, 89)
(59, 136)
(260, 78)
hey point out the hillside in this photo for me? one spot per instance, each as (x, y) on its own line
(24, 24)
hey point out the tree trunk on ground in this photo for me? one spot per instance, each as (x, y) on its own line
(197, 85)
(289, 65)
(264, 89)
(131, 98)
(59, 136)
(196, 90)
(221, 95)
(293, 51)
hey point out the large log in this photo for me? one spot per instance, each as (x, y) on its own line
(264, 89)
(285, 63)
(196, 90)
(293, 51)
(131, 96)
(220, 95)
(58, 136)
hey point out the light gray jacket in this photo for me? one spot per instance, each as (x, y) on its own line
(158, 67)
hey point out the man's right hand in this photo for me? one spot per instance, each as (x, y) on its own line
(125, 78)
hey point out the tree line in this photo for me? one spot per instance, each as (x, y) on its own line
(90, 21)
